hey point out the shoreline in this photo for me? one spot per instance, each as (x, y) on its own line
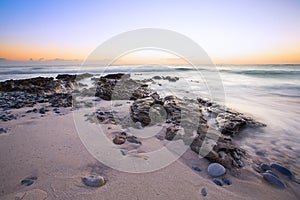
(42, 134)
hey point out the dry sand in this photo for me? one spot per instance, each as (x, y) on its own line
(50, 148)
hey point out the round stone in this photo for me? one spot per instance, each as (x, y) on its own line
(216, 169)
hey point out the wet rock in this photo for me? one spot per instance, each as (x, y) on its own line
(156, 77)
(217, 182)
(283, 170)
(121, 87)
(203, 192)
(215, 170)
(230, 124)
(93, 181)
(32, 85)
(227, 181)
(273, 180)
(117, 76)
(196, 168)
(140, 110)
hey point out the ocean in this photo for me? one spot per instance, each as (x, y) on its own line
(268, 93)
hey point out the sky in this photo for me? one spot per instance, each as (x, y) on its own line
(231, 32)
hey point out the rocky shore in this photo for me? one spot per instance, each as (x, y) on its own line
(205, 126)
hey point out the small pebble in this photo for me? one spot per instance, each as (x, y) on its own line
(203, 192)
(93, 181)
(217, 182)
(226, 181)
(27, 182)
(196, 168)
(123, 152)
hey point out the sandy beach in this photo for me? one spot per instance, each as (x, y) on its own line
(49, 148)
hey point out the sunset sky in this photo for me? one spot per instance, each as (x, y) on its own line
(239, 32)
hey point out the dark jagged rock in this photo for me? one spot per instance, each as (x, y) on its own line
(171, 132)
(73, 78)
(120, 87)
(228, 121)
(117, 76)
(140, 110)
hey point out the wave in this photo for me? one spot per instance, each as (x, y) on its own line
(262, 72)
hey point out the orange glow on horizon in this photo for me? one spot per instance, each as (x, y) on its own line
(24, 53)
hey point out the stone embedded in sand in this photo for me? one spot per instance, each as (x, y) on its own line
(217, 182)
(203, 192)
(281, 169)
(226, 181)
(27, 182)
(196, 168)
(270, 178)
(133, 139)
(93, 181)
(216, 169)
(119, 139)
